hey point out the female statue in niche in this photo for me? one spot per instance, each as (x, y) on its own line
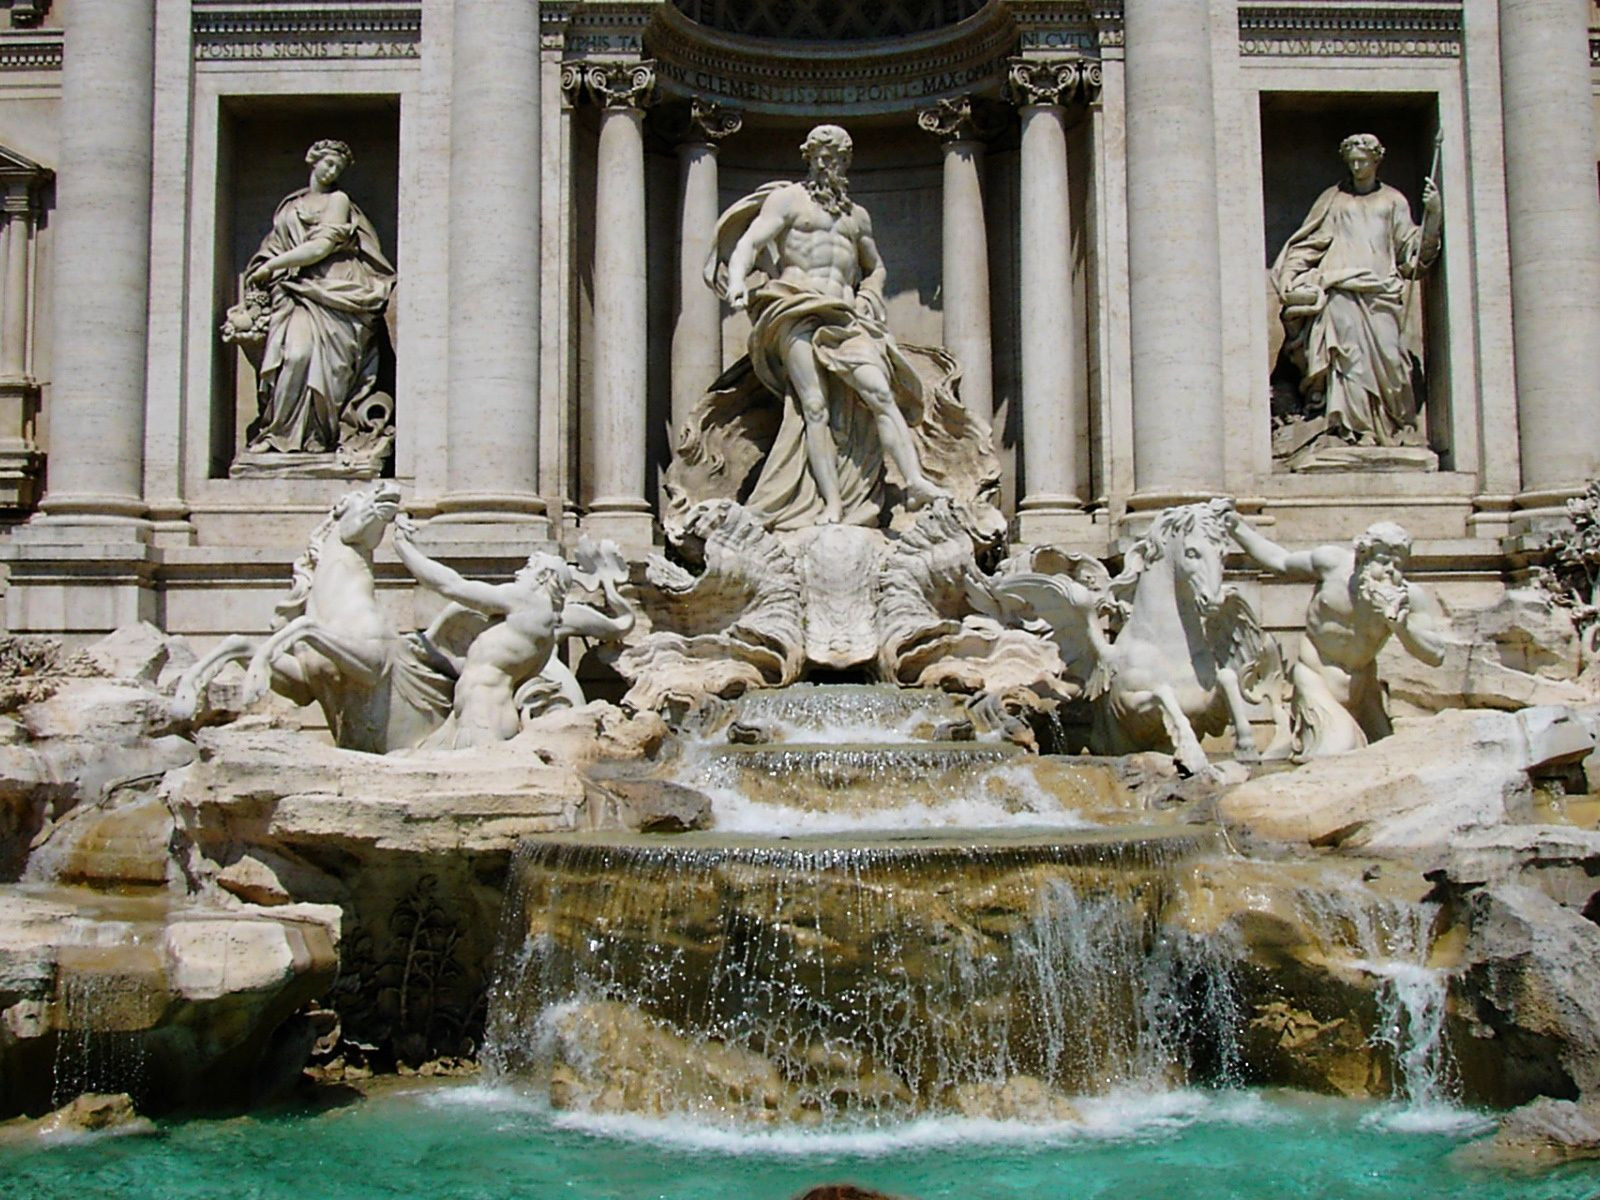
(314, 292)
(1351, 310)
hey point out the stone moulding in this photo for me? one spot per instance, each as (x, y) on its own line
(30, 50)
(231, 30)
(816, 79)
(1428, 30)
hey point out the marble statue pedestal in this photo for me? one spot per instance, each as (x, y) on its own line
(270, 465)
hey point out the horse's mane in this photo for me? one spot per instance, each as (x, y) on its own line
(1170, 523)
(304, 569)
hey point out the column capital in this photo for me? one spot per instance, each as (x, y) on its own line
(958, 119)
(1057, 81)
(610, 84)
(710, 123)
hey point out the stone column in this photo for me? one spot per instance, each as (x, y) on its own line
(1053, 419)
(16, 219)
(618, 508)
(102, 266)
(1554, 223)
(492, 460)
(19, 391)
(1174, 256)
(965, 245)
(697, 336)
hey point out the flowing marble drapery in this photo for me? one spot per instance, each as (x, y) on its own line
(320, 355)
(1356, 344)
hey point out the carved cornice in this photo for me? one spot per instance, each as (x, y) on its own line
(615, 30)
(1053, 28)
(554, 18)
(1052, 81)
(821, 79)
(1421, 29)
(610, 84)
(230, 30)
(21, 180)
(30, 49)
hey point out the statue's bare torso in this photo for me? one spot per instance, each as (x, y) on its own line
(819, 250)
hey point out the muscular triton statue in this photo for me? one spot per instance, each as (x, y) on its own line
(528, 617)
(819, 341)
(1361, 597)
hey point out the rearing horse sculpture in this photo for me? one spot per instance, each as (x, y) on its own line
(1189, 649)
(333, 645)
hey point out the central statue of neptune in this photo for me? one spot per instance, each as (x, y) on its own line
(818, 339)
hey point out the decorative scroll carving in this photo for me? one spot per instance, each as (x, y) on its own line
(712, 122)
(948, 120)
(1052, 81)
(610, 84)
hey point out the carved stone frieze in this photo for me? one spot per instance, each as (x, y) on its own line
(610, 84)
(1050, 27)
(30, 50)
(615, 30)
(1342, 31)
(1052, 81)
(227, 30)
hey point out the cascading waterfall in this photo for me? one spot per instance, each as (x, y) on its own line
(815, 982)
(1390, 941)
(857, 758)
(91, 1055)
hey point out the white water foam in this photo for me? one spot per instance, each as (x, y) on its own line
(1006, 796)
(1125, 1115)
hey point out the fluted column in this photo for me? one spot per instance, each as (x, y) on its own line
(965, 245)
(616, 418)
(1053, 419)
(493, 359)
(1174, 256)
(697, 335)
(16, 217)
(19, 391)
(1554, 226)
(102, 264)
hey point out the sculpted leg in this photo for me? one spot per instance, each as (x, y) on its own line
(822, 455)
(192, 684)
(1186, 749)
(1244, 738)
(873, 388)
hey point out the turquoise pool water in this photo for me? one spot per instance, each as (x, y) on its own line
(474, 1142)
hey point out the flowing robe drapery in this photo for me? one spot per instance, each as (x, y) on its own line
(842, 340)
(319, 355)
(1357, 349)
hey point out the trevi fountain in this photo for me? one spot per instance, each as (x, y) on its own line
(737, 599)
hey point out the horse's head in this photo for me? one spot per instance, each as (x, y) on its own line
(361, 516)
(1195, 542)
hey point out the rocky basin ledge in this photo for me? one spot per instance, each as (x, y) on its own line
(195, 914)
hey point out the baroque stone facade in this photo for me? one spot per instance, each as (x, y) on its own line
(1080, 202)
